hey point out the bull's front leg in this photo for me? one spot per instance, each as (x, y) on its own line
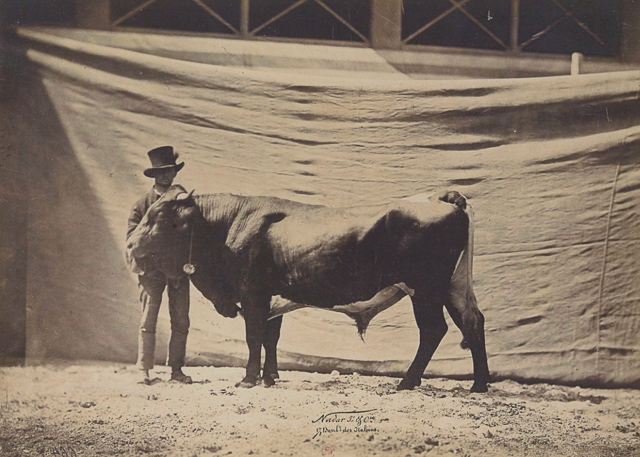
(256, 311)
(270, 369)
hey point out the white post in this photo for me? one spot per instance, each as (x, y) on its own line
(576, 63)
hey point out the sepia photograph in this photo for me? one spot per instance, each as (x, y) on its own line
(343, 228)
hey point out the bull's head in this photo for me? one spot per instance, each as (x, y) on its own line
(161, 240)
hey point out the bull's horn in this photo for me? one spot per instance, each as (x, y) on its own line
(185, 196)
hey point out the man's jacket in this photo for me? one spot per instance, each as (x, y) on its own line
(140, 209)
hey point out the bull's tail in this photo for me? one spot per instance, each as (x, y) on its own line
(453, 197)
(463, 306)
(461, 295)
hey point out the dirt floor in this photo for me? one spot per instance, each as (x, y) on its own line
(98, 409)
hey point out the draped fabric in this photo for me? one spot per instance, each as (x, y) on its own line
(550, 165)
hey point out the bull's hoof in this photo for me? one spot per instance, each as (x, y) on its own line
(407, 384)
(268, 381)
(247, 383)
(479, 387)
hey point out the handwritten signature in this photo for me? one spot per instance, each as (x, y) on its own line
(345, 422)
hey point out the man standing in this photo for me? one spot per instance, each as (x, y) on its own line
(153, 283)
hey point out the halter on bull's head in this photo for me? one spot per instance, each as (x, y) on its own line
(162, 239)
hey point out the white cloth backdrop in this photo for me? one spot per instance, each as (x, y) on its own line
(551, 166)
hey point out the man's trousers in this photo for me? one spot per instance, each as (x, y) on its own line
(153, 285)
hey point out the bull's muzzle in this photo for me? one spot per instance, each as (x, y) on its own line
(134, 265)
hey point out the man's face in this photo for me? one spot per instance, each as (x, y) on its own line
(164, 178)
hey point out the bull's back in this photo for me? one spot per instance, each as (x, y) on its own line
(325, 257)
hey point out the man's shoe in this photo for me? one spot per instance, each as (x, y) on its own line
(143, 377)
(179, 376)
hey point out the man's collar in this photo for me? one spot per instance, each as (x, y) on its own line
(158, 193)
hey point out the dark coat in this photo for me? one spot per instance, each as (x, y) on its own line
(139, 210)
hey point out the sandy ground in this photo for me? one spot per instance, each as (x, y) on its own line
(98, 409)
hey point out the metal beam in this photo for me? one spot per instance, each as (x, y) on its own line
(244, 17)
(131, 13)
(630, 49)
(515, 25)
(583, 26)
(278, 16)
(93, 14)
(475, 20)
(435, 20)
(215, 15)
(386, 24)
(342, 20)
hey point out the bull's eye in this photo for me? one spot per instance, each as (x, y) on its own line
(174, 225)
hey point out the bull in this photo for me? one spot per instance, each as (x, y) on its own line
(246, 250)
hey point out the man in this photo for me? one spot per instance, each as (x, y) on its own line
(153, 283)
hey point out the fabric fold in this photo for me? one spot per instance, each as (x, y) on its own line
(550, 165)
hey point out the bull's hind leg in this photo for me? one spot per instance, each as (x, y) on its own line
(270, 368)
(471, 324)
(430, 319)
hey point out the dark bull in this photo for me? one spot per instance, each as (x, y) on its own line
(249, 249)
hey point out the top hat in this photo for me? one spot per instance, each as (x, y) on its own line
(162, 158)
